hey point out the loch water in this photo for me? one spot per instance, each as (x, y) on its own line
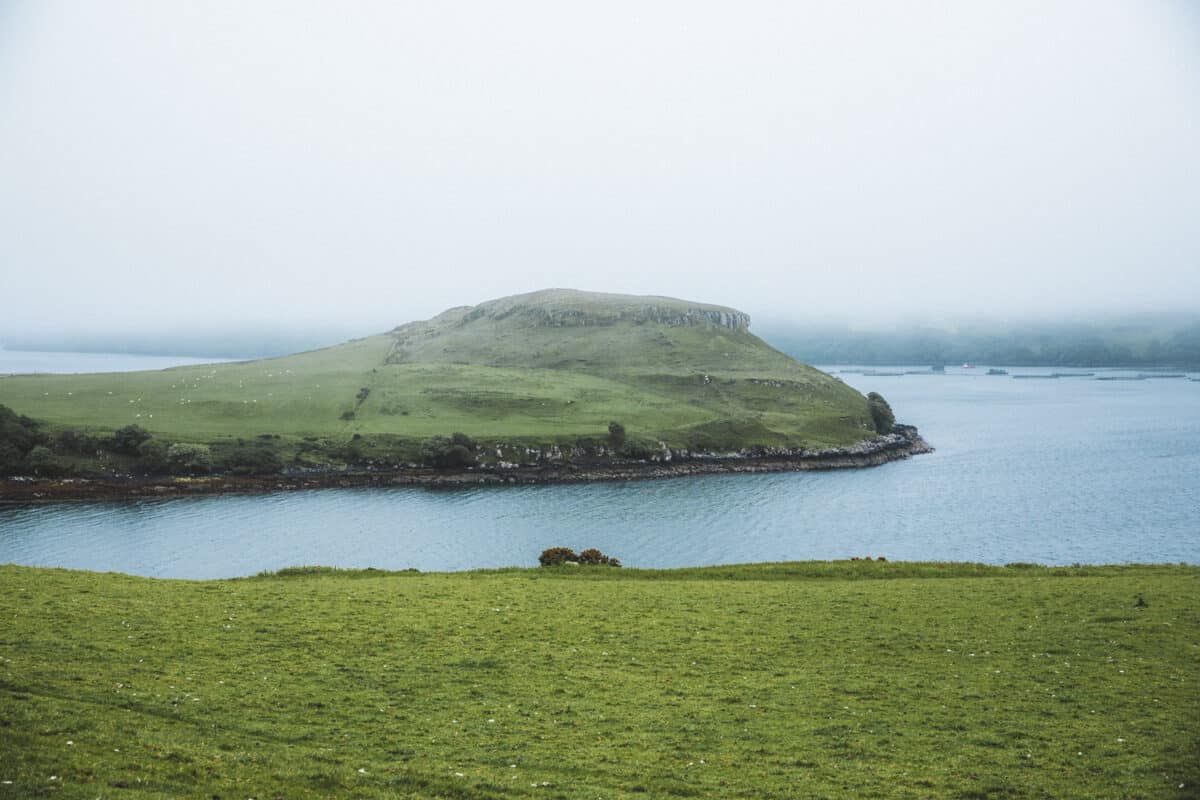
(1058, 471)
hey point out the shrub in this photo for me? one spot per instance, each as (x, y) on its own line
(152, 458)
(127, 440)
(640, 449)
(12, 460)
(563, 555)
(438, 451)
(69, 441)
(594, 556)
(187, 458)
(881, 413)
(347, 416)
(43, 463)
(19, 431)
(616, 433)
(462, 440)
(458, 456)
(252, 458)
(557, 555)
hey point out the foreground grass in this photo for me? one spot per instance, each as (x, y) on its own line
(796, 680)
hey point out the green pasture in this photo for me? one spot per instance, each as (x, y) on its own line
(689, 386)
(846, 679)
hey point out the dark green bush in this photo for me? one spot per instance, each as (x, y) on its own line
(881, 413)
(554, 556)
(12, 460)
(188, 458)
(564, 555)
(594, 556)
(438, 451)
(152, 459)
(127, 440)
(18, 436)
(19, 431)
(640, 449)
(458, 456)
(43, 463)
(78, 443)
(252, 458)
(616, 434)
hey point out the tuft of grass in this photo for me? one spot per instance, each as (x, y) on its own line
(824, 679)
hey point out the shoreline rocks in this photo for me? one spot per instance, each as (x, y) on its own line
(902, 443)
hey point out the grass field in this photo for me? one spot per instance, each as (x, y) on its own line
(497, 373)
(848, 679)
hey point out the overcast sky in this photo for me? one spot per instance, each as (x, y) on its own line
(365, 164)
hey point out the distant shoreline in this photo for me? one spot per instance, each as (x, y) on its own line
(901, 444)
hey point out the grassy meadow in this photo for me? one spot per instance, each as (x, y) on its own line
(846, 679)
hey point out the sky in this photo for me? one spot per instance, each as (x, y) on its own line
(355, 166)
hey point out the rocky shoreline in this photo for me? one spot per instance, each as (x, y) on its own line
(902, 443)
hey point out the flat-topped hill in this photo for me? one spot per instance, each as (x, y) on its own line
(537, 373)
(571, 307)
(595, 333)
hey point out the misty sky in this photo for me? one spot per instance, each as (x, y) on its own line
(370, 163)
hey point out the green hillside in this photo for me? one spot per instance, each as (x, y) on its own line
(548, 368)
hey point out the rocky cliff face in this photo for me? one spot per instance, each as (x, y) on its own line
(649, 313)
(569, 308)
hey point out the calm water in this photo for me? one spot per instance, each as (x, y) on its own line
(1050, 471)
(15, 362)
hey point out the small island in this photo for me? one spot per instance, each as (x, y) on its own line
(556, 385)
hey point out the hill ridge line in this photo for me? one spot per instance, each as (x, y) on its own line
(559, 308)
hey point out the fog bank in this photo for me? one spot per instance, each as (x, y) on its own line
(296, 167)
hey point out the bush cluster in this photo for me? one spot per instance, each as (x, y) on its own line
(25, 449)
(252, 458)
(19, 436)
(594, 556)
(639, 449)
(564, 555)
(457, 451)
(881, 413)
(188, 458)
(616, 433)
(129, 440)
(80, 444)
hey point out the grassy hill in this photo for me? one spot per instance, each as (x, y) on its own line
(848, 679)
(548, 368)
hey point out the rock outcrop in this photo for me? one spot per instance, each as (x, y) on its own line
(662, 315)
(567, 308)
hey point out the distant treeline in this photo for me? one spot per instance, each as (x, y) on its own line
(1155, 343)
(1146, 341)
